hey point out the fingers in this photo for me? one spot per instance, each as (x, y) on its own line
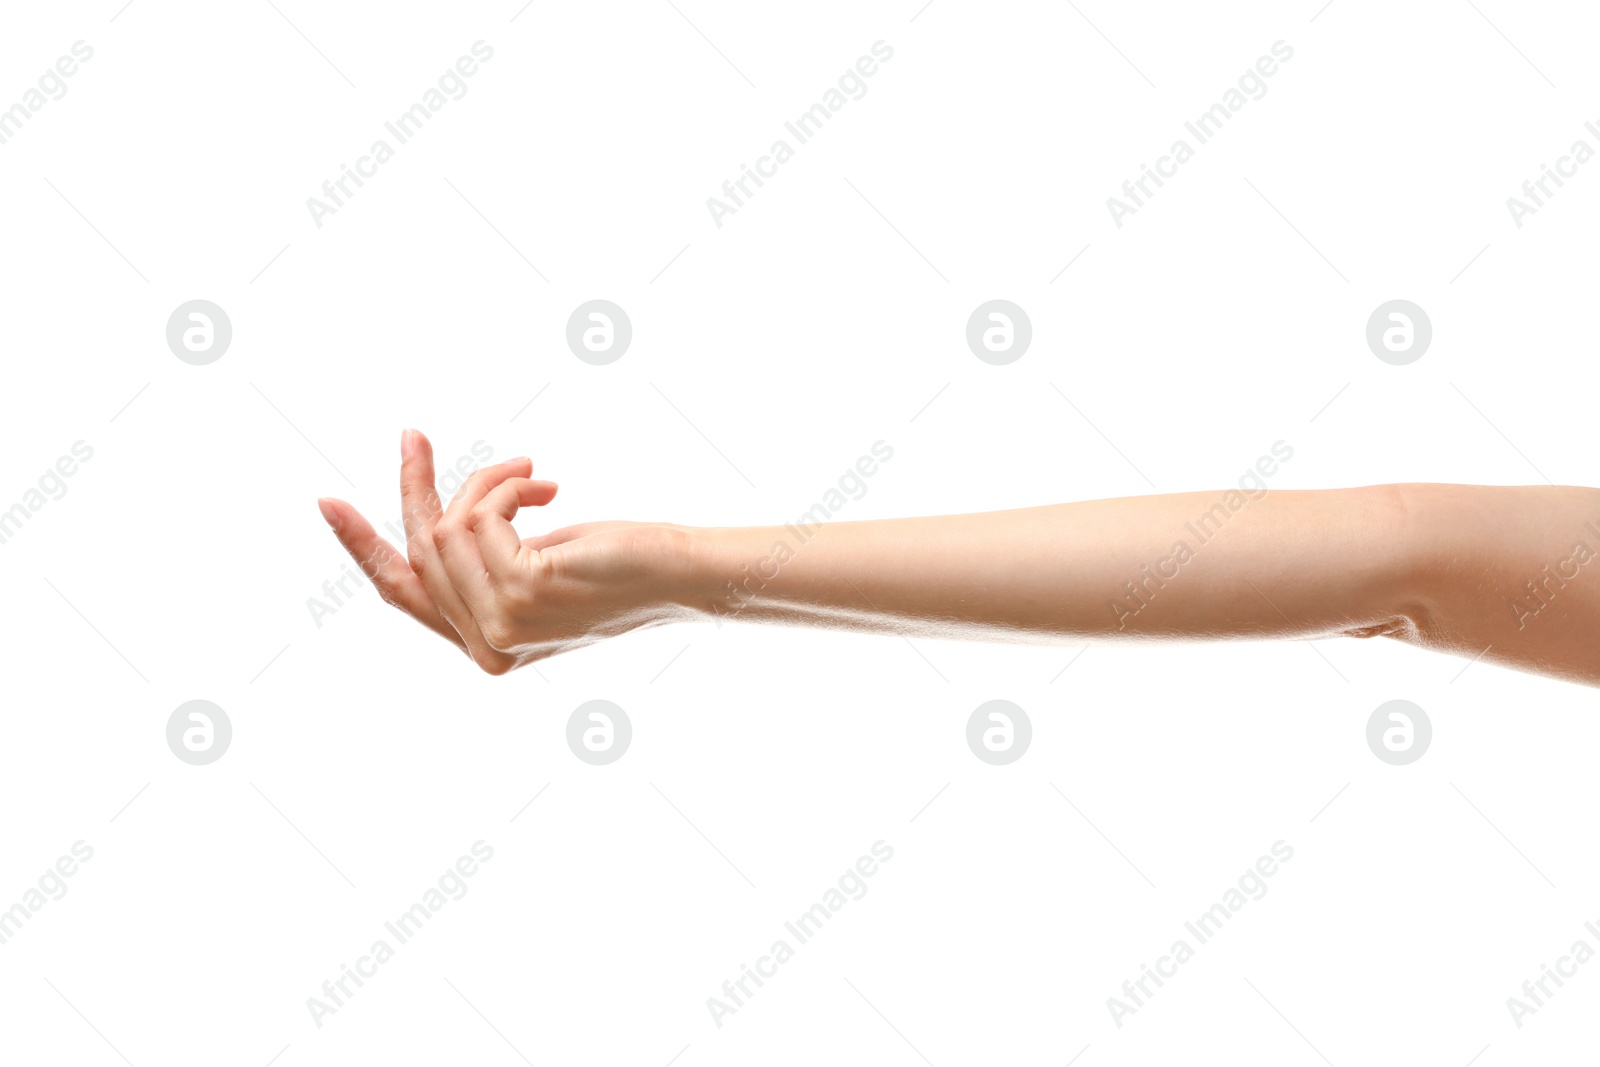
(419, 503)
(499, 547)
(458, 548)
(442, 579)
(384, 565)
(422, 516)
(482, 481)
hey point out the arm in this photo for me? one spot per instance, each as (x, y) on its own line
(1500, 572)
(1178, 565)
(1439, 566)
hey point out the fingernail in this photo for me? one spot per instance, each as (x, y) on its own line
(408, 443)
(329, 515)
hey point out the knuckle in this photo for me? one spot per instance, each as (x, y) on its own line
(493, 663)
(372, 564)
(418, 498)
(498, 628)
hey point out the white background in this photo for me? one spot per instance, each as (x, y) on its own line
(1227, 314)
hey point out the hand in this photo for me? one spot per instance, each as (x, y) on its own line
(503, 600)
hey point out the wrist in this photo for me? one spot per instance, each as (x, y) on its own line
(712, 572)
(681, 567)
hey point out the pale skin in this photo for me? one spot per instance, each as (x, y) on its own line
(1505, 574)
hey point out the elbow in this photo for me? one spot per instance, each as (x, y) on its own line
(1405, 605)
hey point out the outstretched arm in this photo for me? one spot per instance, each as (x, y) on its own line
(1474, 570)
(1500, 572)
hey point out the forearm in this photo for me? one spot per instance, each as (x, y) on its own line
(1211, 564)
(1441, 566)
